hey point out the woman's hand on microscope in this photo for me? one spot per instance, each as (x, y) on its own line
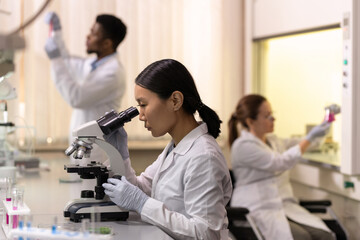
(125, 195)
(119, 140)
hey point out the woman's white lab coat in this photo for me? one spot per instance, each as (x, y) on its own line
(189, 188)
(90, 93)
(262, 185)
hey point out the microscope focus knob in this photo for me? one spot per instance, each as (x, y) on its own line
(87, 194)
(117, 176)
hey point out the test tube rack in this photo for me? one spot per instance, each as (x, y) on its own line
(11, 213)
(46, 234)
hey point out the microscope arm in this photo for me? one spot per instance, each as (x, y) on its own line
(117, 166)
(93, 131)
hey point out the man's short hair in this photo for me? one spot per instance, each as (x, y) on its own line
(113, 28)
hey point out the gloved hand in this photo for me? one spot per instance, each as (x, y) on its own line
(119, 140)
(52, 49)
(318, 131)
(52, 18)
(125, 195)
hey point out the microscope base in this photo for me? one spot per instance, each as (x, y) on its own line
(108, 211)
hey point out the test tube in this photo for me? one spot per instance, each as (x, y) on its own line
(29, 220)
(21, 222)
(92, 220)
(8, 194)
(20, 197)
(51, 29)
(85, 226)
(28, 225)
(95, 217)
(329, 115)
(21, 226)
(3, 187)
(53, 228)
(15, 205)
(9, 183)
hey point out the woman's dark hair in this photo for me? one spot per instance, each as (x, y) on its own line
(247, 107)
(113, 28)
(165, 76)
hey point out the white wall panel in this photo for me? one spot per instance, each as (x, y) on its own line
(277, 17)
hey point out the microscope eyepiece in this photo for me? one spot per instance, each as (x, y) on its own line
(128, 114)
(112, 121)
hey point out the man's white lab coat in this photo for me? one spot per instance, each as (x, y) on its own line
(90, 93)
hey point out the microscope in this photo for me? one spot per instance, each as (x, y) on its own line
(96, 202)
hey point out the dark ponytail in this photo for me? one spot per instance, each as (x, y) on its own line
(212, 120)
(165, 76)
(247, 107)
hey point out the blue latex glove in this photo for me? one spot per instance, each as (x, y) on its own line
(318, 131)
(52, 49)
(125, 195)
(119, 140)
(53, 18)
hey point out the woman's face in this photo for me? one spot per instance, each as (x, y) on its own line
(264, 122)
(157, 114)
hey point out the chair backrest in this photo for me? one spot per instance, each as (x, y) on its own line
(248, 230)
(233, 183)
(232, 177)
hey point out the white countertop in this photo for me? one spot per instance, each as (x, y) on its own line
(46, 197)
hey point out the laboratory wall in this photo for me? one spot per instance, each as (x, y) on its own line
(293, 16)
(205, 37)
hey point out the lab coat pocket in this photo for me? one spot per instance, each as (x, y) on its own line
(268, 193)
(245, 196)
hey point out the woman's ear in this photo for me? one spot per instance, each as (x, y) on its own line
(249, 121)
(177, 99)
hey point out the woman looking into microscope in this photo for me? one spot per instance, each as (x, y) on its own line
(185, 191)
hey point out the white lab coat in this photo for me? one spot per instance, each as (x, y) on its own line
(90, 93)
(189, 188)
(262, 185)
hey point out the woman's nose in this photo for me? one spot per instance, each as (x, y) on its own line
(141, 116)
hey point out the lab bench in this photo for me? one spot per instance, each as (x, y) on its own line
(46, 198)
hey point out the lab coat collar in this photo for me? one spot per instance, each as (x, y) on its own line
(185, 144)
(248, 136)
(182, 148)
(97, 62)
